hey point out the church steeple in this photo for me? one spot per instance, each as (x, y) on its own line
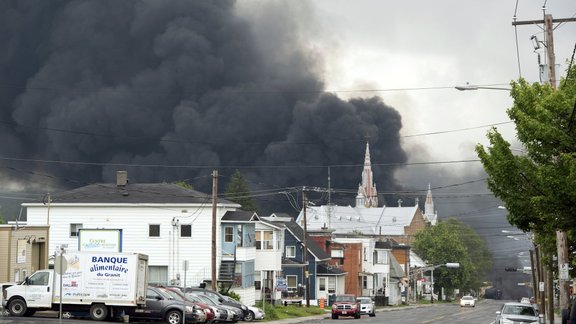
(429, 211)
(367, 194)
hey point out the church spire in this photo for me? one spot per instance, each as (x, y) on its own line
(429, 211)
(367, 194)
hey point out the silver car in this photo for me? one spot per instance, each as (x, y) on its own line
(517, 313)
(367, 306)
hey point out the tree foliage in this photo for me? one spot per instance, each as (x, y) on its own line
(237, 191)
(453, 241)
(538, 186)
(185, 184)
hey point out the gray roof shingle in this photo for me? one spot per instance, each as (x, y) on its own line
(145, 193)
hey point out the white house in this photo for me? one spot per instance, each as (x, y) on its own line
(169, 223)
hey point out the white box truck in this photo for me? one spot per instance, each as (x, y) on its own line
(100, 283)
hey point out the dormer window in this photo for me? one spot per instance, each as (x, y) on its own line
(337, 253)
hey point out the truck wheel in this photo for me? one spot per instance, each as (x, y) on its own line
(357, 316)
(334, 316)
(173, 317)
(17, 307)
(98, 312)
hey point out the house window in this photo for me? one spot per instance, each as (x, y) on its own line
(264, 240)
(365, 254)
(228, 234)
(364, 282)
(290, 251)
(331, 285)
(322, 286)
(381, 257)
(158, 275)
(337, 253)
(154, 230)
(292, 282)
(74, 229)
(186, 230)
(257, 285)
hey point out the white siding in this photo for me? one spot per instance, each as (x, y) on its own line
(168, 249)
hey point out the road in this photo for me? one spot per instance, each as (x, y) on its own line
(483, 313)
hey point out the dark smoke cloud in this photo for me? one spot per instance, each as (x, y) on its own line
(180, 82)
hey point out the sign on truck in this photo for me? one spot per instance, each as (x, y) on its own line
(101, 283)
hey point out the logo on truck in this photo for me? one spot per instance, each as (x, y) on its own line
(117, 264)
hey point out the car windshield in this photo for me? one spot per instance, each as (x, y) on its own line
(173, 294)
(519, 310)
(345, 298)
(467, 298)
(365, 300)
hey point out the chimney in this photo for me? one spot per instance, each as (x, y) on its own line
(121, 178)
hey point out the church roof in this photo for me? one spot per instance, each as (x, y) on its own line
(369, 221)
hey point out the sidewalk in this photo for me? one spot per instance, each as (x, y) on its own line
(328, 314)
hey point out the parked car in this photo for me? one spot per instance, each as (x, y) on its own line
(161, 306)
(221, 314)
(235, 313)
(345, 305)
(517, 313)
(467, 301)
(367, 306)
(220, 298)
(207, 315)
(255, 314)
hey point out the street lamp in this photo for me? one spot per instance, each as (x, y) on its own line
(469, 86)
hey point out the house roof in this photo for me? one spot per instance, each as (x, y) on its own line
(292, 263)
(395, 268)
(369, 221)
(328, 270)
(298, 233)
(240, 216)
(139, 193)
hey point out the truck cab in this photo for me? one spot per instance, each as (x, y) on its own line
(35, 292)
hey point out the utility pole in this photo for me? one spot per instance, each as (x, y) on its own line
(214, 204)
(561, 245)
(306, 270)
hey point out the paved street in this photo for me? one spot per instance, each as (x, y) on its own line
(483, 313)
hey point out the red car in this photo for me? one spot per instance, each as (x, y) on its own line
(205, 308)
(345, 305)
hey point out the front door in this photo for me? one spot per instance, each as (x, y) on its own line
(322, 287)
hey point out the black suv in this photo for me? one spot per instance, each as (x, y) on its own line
(160, 306)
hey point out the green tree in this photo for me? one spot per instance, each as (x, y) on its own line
(237, 191)
(538, 185)
(452, 241)
(184, 184)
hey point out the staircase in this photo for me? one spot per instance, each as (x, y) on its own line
(226, 274)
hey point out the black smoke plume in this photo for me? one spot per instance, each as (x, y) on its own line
(170, 90)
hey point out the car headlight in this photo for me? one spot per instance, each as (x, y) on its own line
(189, 309)
(244, 307)
(334, 307)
